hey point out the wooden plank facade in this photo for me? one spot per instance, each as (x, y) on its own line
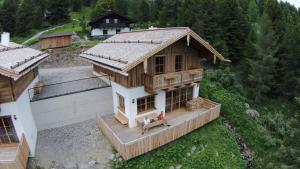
(10, 90)
(191, 69)
(182, 123)
(56, 42)
(20, 153)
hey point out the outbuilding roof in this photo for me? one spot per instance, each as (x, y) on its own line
(16, 60)
(125, 50)
(56, 35)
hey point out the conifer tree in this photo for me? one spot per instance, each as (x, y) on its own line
(8, 12)
(58, 11)
(262, 62)
(102, 6)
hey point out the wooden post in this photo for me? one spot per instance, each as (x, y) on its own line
(188, 39)
(146, 66)
(215, 58)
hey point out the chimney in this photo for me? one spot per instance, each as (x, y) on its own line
(5, 39)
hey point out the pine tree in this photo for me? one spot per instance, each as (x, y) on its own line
(28, 17)
(252, 11)
(76, 5)
(8, 12)
(58, 11)
(144, 15)
(234, 28)
(121, 6)
(169, 13)
(288, 76)
(102, 6)
(262, 63)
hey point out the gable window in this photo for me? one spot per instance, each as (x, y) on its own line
(8, 134)
(104, 31)
(116, 20)
(159, 65)
(121, 102)
(106, 20)
(178, 63)
(145, 104)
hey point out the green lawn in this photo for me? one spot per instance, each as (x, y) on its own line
(74, 25)
(216, 148)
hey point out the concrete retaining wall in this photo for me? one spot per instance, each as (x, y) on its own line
(69, 109)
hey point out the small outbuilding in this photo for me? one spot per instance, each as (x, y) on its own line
(56, 40)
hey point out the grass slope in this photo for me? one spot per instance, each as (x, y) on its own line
(215, 148)
(264, 135)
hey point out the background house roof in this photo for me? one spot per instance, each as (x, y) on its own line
(110, 12)
(125, 50)
(16, 60)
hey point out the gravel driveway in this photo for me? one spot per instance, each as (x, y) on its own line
(77, 146)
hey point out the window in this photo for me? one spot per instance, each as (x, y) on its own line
(104, 32)
(116, 20)
(121, 103)
(178, 63)
(145, 104)
(8, 134)
(106, 20)
(118, 30)
(159, 65)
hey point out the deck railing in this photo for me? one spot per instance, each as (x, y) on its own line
(154, 140)
(20, 161)
(155, 82)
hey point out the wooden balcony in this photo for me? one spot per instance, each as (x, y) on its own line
(129, 142)
(14, 156)
(169, 80)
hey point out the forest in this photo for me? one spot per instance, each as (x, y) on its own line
(260, 37)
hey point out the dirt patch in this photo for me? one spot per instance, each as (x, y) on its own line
(64, 57)
(77, 146)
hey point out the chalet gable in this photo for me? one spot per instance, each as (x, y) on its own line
(111, 19)
(124, 51)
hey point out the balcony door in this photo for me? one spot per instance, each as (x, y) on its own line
(177, 98)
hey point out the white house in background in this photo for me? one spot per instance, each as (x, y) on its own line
(18, 73)
(152, 71)
(109, 24)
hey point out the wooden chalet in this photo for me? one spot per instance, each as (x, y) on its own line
(109, 24)
(153, 71)
(56, 40)
(18, 73)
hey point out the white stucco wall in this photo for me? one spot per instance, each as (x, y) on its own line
(110, 31)
(130, 98)
(25, 122)
(69, 109)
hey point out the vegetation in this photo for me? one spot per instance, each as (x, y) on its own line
(214, 147)
(271, 137)
(261, 38)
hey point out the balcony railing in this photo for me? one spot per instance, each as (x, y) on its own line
(156, 82)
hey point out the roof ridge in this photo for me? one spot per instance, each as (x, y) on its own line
(155, 29)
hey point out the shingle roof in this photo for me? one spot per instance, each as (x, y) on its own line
(56, 35)
(16, 59)
(126, 50)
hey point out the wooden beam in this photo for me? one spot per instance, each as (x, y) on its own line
(188, 39)
(146, 65)
(215, 58)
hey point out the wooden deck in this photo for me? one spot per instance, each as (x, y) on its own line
(14, 156)
(129, 142)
